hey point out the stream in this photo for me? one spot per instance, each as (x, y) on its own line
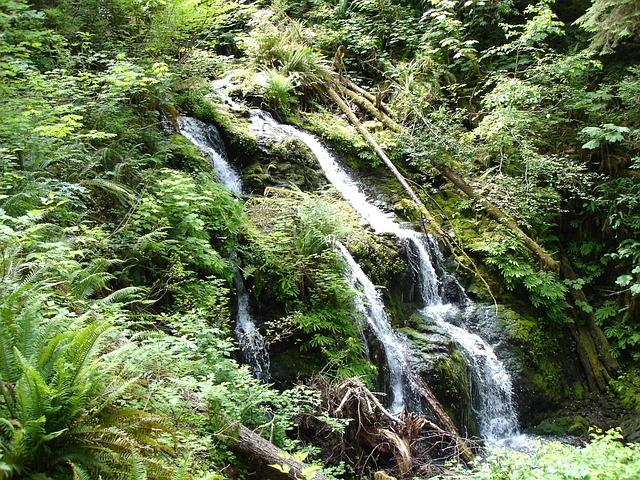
(252, 346)
(492, 392)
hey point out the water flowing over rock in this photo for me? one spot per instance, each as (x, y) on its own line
(254, 352)
(208, 138)
(491, 385)
(252, 346)
(370, 306)
(444, 300)
(492, 391)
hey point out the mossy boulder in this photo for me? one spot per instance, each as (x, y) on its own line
(266, 158)
(186, 156)
(568, 425)
(443, 367)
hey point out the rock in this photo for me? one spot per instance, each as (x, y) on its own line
(630, 426)
(579, 427)
(380, 475)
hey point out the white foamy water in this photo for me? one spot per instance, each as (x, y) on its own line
(207, 137)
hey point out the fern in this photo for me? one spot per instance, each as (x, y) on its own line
(118, 189)
(124, 296)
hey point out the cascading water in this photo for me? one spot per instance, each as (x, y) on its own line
(370, 306)
(252, 346)
(208, 138)
(493, 391)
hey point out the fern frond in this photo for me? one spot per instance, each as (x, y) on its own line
(83, 344)
(183, 472)
(114, 394)
(32, 392)
(51, 352)
(138, 467)
(118, 189)
(124, 296)
(90, 284)
(79, 473)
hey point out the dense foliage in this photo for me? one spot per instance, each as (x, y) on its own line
(604, 457)
(116, 242)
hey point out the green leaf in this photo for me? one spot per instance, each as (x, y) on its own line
(591, 144)
(624, 280)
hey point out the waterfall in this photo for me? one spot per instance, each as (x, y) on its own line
(491, 383)
(252, 346)
(208, 138)
(370, 306)
(492, 391)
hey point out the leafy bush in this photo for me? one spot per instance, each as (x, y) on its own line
(605, 457)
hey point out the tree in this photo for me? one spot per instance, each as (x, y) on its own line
(612, 22)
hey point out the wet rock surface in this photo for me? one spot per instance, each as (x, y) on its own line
(578, 417)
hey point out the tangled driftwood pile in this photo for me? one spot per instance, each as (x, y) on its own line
(403, 445)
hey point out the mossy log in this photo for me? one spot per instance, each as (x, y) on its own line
(545, 259)
(255, 450)
(371, 108)
(375, 99)
(589, 329)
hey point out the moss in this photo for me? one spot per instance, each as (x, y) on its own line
(186, 156)
(408, 209)
(444, 369)
(451, 386)
(567, 425)
(255, 174)
(342, 136)
(579, 427)
(378, 257)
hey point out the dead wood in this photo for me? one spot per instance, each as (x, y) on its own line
(375, 99)
(368, 106)
(544, 258)
(255, 450)
(410, 440)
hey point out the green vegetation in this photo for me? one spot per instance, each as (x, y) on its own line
(117, 245)
(604, 457)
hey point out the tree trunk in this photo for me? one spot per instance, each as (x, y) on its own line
(602, 346)
(597, 375)
(255, 449)
(387, 161)
(538, 252)
(442, 417)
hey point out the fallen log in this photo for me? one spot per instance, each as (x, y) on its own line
(256, 450)
(387, 161)
(369, 96)
(544, 258)
(371, 108)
